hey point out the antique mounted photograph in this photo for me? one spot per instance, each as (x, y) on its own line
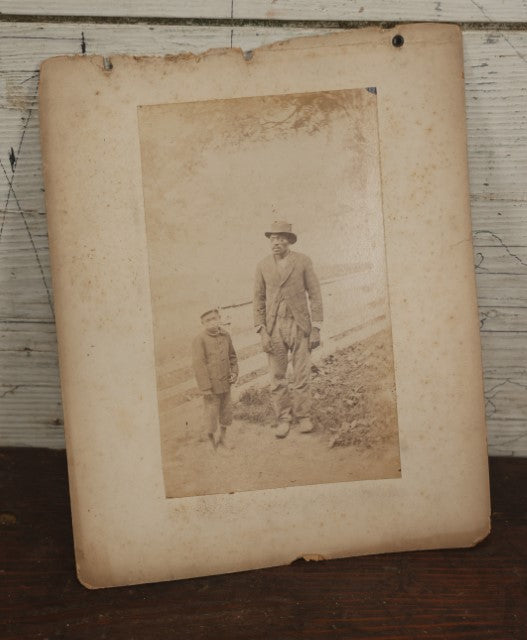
(271, 314)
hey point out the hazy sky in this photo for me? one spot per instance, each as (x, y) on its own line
(217, 173)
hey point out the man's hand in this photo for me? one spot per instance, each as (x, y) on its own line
(266, 341)
(233, 377)
(314, 338)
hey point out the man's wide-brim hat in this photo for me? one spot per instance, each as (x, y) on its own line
(280, 226)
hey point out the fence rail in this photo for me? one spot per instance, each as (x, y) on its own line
(354, 307)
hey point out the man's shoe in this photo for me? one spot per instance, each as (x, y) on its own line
(305, 425)
(282, 429)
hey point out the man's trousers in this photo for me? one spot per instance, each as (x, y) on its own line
(294, 400)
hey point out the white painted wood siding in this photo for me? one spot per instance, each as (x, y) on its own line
(496, 93)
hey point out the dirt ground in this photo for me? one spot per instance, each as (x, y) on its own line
(355, 438)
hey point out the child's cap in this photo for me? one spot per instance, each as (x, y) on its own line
(209, 311)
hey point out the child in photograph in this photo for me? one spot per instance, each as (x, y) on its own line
(216, 369)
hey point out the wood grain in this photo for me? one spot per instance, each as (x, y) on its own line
(397, 11)
(379, 10)
(459, 594)
(496, 93)
(126, 8)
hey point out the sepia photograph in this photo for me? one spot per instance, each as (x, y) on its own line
(270, 304)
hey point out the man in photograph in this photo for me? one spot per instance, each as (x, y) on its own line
(284, 282)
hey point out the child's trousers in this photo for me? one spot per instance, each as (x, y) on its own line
(217, 408)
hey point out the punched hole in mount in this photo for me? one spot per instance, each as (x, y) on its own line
(398, 40)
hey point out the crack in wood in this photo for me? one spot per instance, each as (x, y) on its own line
(485, 315)
(504, 382)
(502, 244)
(491, 395)
(36, 74)
(10, 390)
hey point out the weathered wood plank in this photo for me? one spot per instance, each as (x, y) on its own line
(504, 401)
(496, 89)
(501, 290)
(34, 413)
(506, 216)
(30, 398)
(504, 356)
(396, 10)
(502, 259)
(28, 367)
(25, 279)
(25, 45)
(126, 8)
(24, 336)
(502, 319)
(374, 10)
(507, 437)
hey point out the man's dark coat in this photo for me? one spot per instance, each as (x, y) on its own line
(295, 285)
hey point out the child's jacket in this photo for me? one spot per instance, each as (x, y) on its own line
(214, 360)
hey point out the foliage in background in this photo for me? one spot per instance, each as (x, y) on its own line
(353, 395)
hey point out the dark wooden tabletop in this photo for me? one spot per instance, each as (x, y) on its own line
(467, 593)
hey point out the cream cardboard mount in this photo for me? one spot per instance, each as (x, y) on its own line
(162, 175)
